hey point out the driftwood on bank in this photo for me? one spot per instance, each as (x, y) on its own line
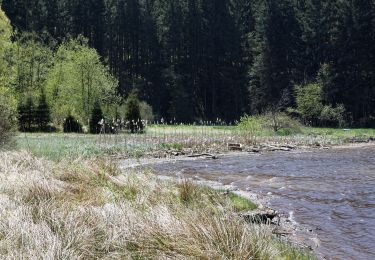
(356, 140)
(260, 216)
(235, 147)
(207, 155)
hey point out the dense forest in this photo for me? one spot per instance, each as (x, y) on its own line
(194, 60)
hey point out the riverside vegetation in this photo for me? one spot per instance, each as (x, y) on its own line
(87, 209)
(171, 140)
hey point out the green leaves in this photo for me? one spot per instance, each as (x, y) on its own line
(77, 79)
(309, 101)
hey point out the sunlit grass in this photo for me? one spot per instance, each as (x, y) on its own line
(207, 139)
(341, 133)
(241, 203)
(88, 209)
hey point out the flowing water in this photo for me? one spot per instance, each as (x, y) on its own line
(331, 192)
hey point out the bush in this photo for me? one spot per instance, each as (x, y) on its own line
(146, 112)
(133, 114)
(333, 116)
(251, 125)
(71, 125)
(96, 118)
(277, 122)
(281, 123)
(309, 102)
(8, 116)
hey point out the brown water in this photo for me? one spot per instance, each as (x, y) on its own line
(330, 192)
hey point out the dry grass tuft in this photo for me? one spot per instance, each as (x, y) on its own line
(86, 209)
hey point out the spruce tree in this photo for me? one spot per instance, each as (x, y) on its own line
(96, 118)
(133, 114)
(276, 50)
(26, 115)
(71, 125)
(43, 114)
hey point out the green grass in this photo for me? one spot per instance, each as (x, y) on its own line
(172, 146)
(241, 204)
(59, 146)
(339, 133)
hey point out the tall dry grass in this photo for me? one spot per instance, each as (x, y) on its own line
(86, 209)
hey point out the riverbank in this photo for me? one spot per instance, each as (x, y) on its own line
(88, 208)
(327, 192)
(145, 149)
(280, 223)
(176, 141)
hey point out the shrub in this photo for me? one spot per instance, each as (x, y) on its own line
(146, 112)
(71, 125)
(251, 125)
(309, 102)
(8, 116)
(333, 116)
(96, 117)
(133, 114)
(281, 123)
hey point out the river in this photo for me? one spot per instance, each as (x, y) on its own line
(329, 192)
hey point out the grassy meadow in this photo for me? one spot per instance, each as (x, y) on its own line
(157, 138)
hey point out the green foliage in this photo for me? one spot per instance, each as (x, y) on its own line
(193, 60)
(6, 71)
(8, 115)
(309, 101)
(29, 62)
(172, 146)
(33, 117)
(8, 107)
(281, 123)
(5, 29)
(310, 106)
(77, 79)
(43, 114)
(72, 125)
(268, 124)
(146, 112)
(333, 116)
(251, 125)
(97, 117)
(275, 49)
(26, 114)
(133, 114)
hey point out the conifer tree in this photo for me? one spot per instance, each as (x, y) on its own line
(43, 113)
(26, 112)
(133, 114)
(71, 125)
(96, 119)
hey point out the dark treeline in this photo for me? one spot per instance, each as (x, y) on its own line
(208, 59)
